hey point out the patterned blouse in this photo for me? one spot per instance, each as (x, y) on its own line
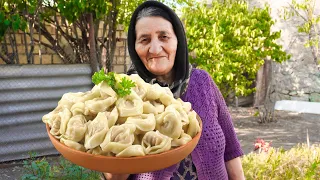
(186, 170)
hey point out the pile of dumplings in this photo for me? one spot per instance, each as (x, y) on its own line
(147, 121)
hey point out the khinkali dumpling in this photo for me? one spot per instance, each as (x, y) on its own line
(73, 144)
(166, 97)
(160, 107)
(96, 132)
(55, 126)
(169, 123)
(141, 87)
(152, 107)
(94, 93)
(154, 92)
(130, 105)
(76, 128)
(149, 108)
(78, 108)
(118, 138)
(112, 117)
(183, 114)
(155, 142)
(131, 151)
(68, 99)
(65, 116)
(144, 122)
(194, 126)
(48, 118)
(106, 90)
(182, 140)
(98, 105)
(185, 105)
(98, 151)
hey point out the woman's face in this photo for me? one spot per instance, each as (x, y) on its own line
(156, 44)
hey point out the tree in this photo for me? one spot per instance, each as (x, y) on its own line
(76, 22)
(231, 42)
(305, 11)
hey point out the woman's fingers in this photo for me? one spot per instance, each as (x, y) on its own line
(110, 176)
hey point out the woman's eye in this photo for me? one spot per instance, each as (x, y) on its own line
(164, 37)
(144, 40)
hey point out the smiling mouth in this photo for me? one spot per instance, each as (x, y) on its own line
(157, 57)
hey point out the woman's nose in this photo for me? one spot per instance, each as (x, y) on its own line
(155, 47)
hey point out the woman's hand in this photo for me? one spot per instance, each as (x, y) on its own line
(110, 176)
(234, 169)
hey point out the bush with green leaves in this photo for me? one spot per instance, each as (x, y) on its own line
(300, 162)
(40, 168)
(231, 42)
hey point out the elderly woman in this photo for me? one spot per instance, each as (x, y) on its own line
(158, 50)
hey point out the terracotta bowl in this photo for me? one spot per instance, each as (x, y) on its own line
(132, 165)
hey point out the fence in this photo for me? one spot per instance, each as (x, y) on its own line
(27, 92)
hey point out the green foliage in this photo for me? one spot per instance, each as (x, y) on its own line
(72, 10)
(300, 162)
(11, 16)
(36, 169)
(126, 8)
(231, 42)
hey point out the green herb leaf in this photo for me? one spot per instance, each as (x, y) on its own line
(111, 79)
(98, 77)
(122, 88)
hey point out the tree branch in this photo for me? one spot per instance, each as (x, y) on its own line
(294, 9)
(5, 58)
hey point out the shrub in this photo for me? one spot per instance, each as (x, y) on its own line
(300, 162)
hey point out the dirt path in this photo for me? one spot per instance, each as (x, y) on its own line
(289, 130)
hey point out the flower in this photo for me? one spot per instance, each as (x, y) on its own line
(260, 145)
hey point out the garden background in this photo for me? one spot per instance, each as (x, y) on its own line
(257, 56)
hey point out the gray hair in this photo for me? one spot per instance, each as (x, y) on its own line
(153, 11)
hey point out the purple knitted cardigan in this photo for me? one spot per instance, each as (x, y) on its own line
(218, 142)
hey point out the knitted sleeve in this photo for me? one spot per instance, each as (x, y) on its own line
(233, 148)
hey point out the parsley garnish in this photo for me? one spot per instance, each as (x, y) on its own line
(122, 88)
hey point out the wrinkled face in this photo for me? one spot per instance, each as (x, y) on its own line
(156, 44)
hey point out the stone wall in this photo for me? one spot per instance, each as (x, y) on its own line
(298, 78)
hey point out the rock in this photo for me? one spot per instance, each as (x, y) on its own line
(286, 97)
(306, 82)
(300, 98)
(292, 93)
(287, 71)
(314, 97)
(284, 91)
